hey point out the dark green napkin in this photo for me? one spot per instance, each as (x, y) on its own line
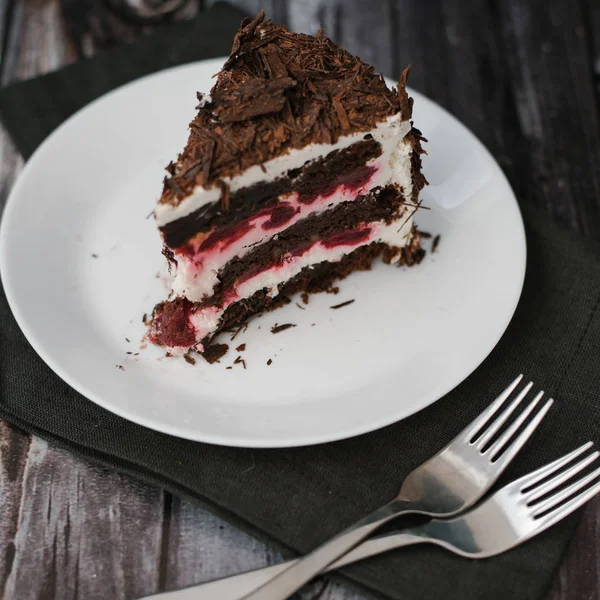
(300, 497)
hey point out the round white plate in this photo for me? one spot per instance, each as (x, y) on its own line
(81, 264)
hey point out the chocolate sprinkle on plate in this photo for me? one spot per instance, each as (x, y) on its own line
(277, 328)
(436, 241)
(300, 306)
(94, 256)
(214, 352)
(342, 304)
(269, 362)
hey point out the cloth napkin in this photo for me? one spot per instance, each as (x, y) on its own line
(300, 497)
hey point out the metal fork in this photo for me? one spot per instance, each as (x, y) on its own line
(506, 519)
(447, 484)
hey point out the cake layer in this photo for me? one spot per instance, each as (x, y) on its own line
(205, 319)
(344, 223)
(174, 322)
(388, 133)
(197, 263)
(317, 178)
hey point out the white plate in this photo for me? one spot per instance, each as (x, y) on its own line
(410, 336)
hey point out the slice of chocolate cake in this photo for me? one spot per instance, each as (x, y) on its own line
(301, 167)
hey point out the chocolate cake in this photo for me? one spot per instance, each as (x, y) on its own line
(301, 167)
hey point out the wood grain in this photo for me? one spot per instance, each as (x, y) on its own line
(524, 76)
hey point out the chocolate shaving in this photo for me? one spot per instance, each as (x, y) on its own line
(214, 352)
(239, 360)
(279, 91)
(241, 348)
(225, 193)
(342, 304)
(277, 328)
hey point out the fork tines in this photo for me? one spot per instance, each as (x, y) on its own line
(535, 489)
(486, 433)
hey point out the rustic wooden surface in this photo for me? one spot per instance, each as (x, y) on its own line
(523, 75)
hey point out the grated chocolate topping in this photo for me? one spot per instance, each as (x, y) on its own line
(278, 91)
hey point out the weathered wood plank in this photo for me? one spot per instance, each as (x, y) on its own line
(579, 575)
(14, 447)
(202, 547)
(36, 41)
(552, 79)
(82, 531)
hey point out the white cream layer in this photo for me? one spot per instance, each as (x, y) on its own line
(387, 133)
(196, 275)
(205, 321)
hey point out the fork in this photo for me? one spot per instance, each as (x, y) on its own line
(512, 515)
(445, 485)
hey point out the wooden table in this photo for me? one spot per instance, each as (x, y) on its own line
(524, 76)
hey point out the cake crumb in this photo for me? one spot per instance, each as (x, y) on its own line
(120, 367)
(304, 298)
(241, 348)
(332, 290)
(189, 359)
(436, 241)
(168, 355)
(277, 328)
(94, 255)
(214, 352)
(300, 306)
(269, 362)
(342, 304)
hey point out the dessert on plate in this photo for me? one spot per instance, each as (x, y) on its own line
(301, 166)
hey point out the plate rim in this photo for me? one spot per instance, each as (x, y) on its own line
(11, 206)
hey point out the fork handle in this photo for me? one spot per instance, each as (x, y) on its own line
(231, 588)
(304, 569)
